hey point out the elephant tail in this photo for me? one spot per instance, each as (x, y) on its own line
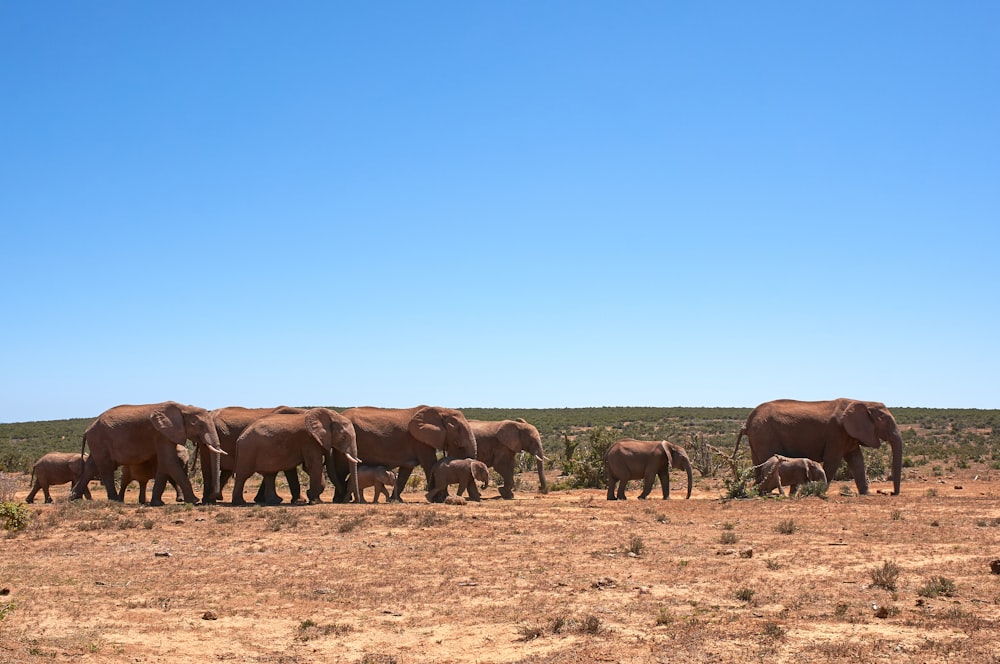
(739, 437)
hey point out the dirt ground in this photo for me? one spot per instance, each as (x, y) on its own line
(565, 577)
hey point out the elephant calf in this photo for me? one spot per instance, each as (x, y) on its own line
(145, 471)
(56, 468)
(380, 477)
(781, 471)
(463, 472)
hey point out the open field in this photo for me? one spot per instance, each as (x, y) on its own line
(565, 577)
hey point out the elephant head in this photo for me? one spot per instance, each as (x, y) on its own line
(519, 436)
(335, 432)
(870, 423)
(480, 472)
(679, 460)
(444, 429)
(180, 423)
(815, 472)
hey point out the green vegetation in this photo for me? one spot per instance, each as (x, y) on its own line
(14, 516)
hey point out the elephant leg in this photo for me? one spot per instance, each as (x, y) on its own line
(86, 492)
(267, 493)
(611, 486)
(48, 498)
(505, 468)
(665, 483)
(238, 482)
(170, 465)
(856, 462)
(316, 484)
(474, 491)
(294, 487)
(647, 483)
(30, 498)
(622, 485)
(108, 480)
(142, 491)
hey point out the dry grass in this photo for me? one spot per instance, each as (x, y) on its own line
(567, 577)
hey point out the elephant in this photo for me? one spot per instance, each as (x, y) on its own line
(464, 472)
(282, 441)
(406, 437)
(498, 444)
(56, 468)
(630, 459)
(230, 423)
(781, 471)
(129, 435)
(379, 477)
(825, 431)
(145, 471)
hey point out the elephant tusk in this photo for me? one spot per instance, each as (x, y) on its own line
(542, 458)
(351, 458)
(217, 450)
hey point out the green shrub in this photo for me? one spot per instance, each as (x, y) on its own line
(817, 489)
(936, 586)
(587, 469)
(15, 516)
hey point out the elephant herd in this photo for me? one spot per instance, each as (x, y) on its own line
(357, 448)
(791, 442)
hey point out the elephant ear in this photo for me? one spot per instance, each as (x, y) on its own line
(480, 471)
(316, 426)
(169, 420)
(509, 436)
(427, 426)
(858, 424)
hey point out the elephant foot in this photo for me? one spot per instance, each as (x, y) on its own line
(506, 495)
(47, 500)
(238, 503)
(153, 503)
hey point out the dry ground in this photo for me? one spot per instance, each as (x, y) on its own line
(538, 579)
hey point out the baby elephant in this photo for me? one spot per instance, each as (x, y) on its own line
(380, 477)
(781, 471)
(145, 471)
(463, 472)
(56, 468)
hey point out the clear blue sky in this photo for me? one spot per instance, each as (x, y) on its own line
(498, 204)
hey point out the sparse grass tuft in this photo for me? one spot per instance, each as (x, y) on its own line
(279, 518)
(886, 576)
(774, 632)
(350, 523)
(745, 595)
(729, 537)
(937, 586)
(787, 527)
(636, 545)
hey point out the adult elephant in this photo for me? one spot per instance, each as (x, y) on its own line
(630, 459)
(825, 431)
(408, 437)
(281, 441)
(132, 435)
(230, 423)
(498, 442)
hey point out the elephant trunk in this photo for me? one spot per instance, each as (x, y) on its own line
(896, 445)
(542, 486)
(687, 469)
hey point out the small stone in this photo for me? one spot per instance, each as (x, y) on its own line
(995, 566)
(958, 487)
(210, 615)
(162, 554)
(746, 553)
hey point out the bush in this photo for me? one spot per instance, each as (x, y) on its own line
(817, 489)
(587, 471)
(936, 586)
(738, 488)
(885, 576)
(15, 516)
